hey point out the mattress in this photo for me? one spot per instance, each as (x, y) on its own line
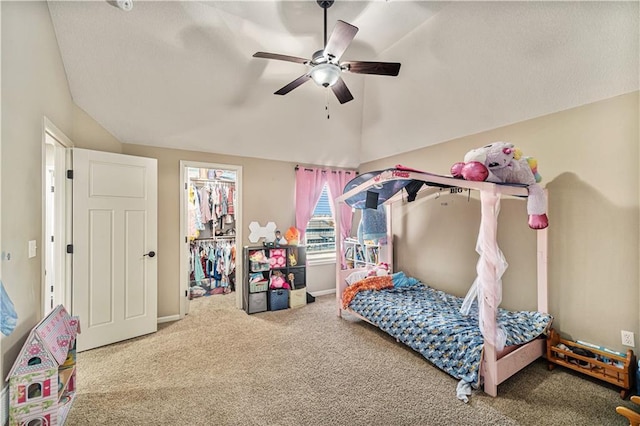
(429, 321)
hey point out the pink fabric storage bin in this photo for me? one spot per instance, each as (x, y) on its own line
(277, 258)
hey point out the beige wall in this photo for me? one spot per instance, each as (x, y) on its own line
(34, 85)
(588, 158)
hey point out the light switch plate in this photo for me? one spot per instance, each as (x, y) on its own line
(32, 248)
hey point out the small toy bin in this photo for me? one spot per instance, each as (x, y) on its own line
(257, 282)
(277, 258)
(257, 302)
(258, 286)
(278, 299)
(298, 298)
(258, 260)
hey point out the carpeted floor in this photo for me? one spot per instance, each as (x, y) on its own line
(306, 366)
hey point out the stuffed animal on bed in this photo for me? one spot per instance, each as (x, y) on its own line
(379, 270)
(502, 162)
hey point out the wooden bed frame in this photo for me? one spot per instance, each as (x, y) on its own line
(496, 366)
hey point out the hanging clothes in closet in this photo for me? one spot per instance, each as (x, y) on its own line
(211, 209)
(212, 265)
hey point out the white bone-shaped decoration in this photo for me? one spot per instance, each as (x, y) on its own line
(268, 232)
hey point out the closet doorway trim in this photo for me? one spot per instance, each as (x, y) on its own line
(184, 240)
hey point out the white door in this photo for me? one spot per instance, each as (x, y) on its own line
(114, 243)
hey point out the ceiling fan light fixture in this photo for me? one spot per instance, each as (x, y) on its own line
(325, 75)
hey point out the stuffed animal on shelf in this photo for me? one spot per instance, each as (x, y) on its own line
(279, 239)
(292, 236)
(292, 279)
(277, 281)
(502, 162)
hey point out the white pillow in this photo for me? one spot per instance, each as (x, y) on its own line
(356, 276)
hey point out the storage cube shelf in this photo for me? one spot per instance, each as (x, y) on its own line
(607, 366)
(263, 265)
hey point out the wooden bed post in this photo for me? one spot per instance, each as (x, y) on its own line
(488, 280)
(542, 237)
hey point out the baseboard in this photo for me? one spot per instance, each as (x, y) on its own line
(323, 292)
(170, 318)
(4, 406)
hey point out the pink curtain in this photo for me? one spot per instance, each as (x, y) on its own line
(337, 180)
(309, 183)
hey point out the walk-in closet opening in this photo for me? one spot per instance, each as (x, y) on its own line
(211, 224)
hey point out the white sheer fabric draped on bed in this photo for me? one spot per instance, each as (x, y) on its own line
(487, 287)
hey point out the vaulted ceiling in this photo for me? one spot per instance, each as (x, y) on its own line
(181, 74)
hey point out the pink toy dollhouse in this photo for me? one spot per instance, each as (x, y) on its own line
(42, 381)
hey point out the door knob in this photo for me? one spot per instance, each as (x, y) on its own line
(150, 254)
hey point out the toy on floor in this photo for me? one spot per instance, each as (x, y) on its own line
(42, 381)
(501, 162)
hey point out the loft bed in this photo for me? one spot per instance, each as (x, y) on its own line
(484, 346)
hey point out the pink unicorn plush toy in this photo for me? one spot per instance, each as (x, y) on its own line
(502, 162)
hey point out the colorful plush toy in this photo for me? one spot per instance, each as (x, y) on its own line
(292, 236)
(379, 270)
(277, 281)
(502, 162)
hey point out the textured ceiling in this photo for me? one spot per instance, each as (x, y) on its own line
(182, 75)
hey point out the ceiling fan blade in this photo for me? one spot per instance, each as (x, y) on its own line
(379, 68)
(339, 40)
(295, 83)
(287, 58)
(341, 91)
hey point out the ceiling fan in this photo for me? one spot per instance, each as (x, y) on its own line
(325, 65)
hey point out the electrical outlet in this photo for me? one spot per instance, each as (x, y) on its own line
(627, 338)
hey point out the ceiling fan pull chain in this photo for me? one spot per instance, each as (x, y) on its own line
(326, 101)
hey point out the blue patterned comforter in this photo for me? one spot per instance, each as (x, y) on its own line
(429, 321)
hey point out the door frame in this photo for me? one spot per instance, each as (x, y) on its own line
(184, 242)
(63, 221)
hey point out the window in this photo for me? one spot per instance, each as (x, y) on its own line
(34, 391)
(320, 236)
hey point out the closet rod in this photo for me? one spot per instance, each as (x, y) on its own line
(212, 180)
(222, 237)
